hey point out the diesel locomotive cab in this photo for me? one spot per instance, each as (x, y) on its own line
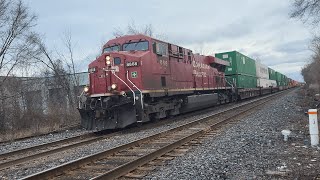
(113, 94)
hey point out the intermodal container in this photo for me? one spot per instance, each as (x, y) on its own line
(239, 63)
(261, 82)
(281, 79)
(285, 80)
(262, 71)
(242, 81)
(272, 74)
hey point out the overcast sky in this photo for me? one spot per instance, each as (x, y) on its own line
(258, 28)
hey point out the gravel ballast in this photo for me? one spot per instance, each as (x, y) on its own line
(37, 140)
(252, 149)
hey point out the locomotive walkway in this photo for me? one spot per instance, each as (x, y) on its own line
(142, 154)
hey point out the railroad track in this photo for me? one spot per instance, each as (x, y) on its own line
(121, 160)
(20, 156)
(23, 155)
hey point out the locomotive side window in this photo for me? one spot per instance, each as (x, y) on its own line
(180, 52)
(185, 52)
(136, 46)
(189, 57)
(117, 61)
(160, 48)
(111, 48)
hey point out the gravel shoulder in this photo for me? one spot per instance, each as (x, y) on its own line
(253, 148)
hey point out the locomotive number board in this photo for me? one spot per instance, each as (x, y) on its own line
(132, 64)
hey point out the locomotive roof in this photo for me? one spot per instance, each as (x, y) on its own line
(127, 38)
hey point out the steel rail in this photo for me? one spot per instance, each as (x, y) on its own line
(47, 149)
(32, 148)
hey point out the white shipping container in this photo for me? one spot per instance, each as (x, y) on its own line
(266, 83)
(262, 71)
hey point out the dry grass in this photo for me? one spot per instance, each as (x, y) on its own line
(33, 124)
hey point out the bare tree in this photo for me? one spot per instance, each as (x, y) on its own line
(24, 102)
(146, 30)
(315, 45)
(68, 58)
(310, 72)
(60, 67)
(54, 67)
(17, 48)
(307, 10)
(16, 36)
(132, 28)
(117, 32)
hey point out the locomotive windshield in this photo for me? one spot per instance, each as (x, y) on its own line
(136, 46)
(111, 48)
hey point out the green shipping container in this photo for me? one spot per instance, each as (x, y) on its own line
(285, 81)
(243, 81)
(281, 79)
(272, 74)
(239, 63)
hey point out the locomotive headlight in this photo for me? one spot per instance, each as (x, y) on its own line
(86, 89)
(113, 86)
(108, 62)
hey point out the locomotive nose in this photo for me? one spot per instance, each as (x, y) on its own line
(115, 72)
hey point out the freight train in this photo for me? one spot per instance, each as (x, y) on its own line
(138, 79)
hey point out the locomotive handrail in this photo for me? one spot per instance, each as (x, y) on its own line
(79, 99)
(229, 82)
(134, 94)
(141, 99)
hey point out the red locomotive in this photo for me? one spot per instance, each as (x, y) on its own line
(138, 78)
